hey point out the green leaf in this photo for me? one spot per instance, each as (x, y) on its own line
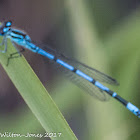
(35, 95)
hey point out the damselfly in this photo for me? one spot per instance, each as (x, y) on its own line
(83, 75)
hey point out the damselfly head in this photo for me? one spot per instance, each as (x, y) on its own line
(5, 27)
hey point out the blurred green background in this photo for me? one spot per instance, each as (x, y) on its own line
(102, 34)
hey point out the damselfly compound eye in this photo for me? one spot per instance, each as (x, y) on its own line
(8, 24)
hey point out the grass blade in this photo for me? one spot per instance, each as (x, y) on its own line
(35, 95)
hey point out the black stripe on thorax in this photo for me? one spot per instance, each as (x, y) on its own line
(15, 37)
(19, 33)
